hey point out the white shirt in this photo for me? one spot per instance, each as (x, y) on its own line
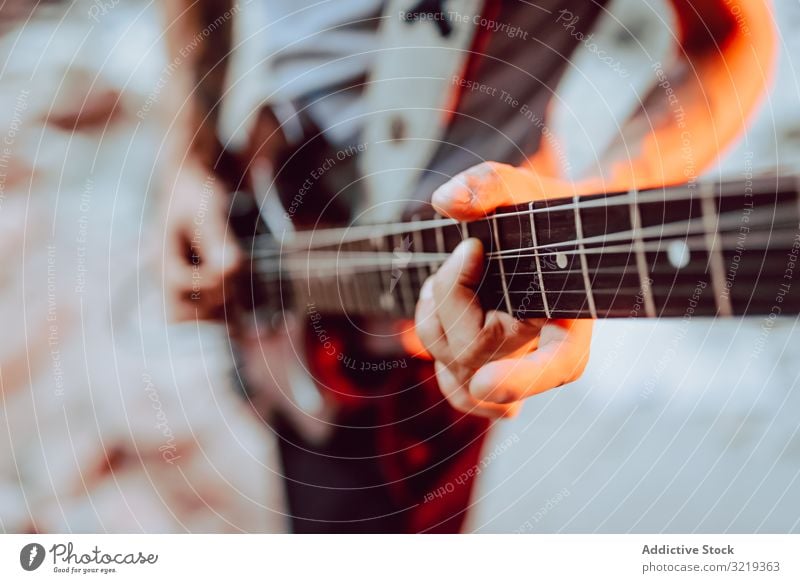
(293, 49)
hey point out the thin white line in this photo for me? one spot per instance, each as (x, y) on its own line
(407, 299)
(417, 238)
(682, 227)
(502, 268)
(335, 236)
(349, 284)
(715, 261)
(386, 300)
(584, 264)
(641, 260)
(439, 236)
(538, 265)
(464, 231)
(321, 259)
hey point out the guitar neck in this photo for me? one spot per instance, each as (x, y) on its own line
(696, 250)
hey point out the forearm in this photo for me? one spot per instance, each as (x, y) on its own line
(701, 106)
(193, 70)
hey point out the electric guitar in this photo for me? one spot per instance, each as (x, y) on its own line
(700, 249)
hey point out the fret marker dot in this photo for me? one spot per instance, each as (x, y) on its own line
(678, 254)
(561, 260)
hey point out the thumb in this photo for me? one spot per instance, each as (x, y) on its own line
(478, 191)
(458, 308)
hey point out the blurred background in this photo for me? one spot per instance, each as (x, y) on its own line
(675, 427)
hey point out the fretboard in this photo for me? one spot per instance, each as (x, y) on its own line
(697, 250)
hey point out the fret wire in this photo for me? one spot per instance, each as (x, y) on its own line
(538, 264)
(323, 291)
(376, 281)
(354, 289)
(641, 260)
(503, 281)
(440, 238)
(464, 231)
(390, 298)
(372, 284)
(299, 292)
(584, 265)
(407, 299)
(386, 299)
(318, 292)
(715, 260)
(330, 292)
(417, 240)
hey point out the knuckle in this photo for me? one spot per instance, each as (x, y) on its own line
(484, 347)
(492, 334)
(471, 355)
(503, 396)
(427, 333)
(452, 390)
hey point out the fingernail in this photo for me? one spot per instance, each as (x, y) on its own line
(469, 256)
(469, 246)
(452, 193)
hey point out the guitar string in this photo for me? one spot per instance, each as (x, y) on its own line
(726, 220)
(615, 200)
(666, 236)
(681, 293)
(671, 290)
(773, 241)
(336, 236)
